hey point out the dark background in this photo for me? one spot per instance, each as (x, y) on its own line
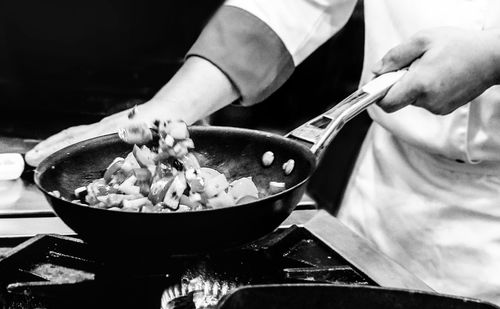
(70, 62)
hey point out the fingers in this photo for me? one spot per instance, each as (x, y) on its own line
(136, 133)
(444, 71)
(408, 90)
(57, 142)
(401, 56)
(76, 134)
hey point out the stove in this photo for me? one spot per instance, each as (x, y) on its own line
(60, 270)
(54, 271)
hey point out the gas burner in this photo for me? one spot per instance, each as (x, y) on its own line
(289, 268)
(53, 271)
(195, 293)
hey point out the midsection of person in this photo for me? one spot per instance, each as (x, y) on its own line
(425, 187)
(440, 220)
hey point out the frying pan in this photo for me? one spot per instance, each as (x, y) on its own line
(342, 297)
(236, 152)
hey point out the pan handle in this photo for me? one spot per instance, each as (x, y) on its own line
(320, 131)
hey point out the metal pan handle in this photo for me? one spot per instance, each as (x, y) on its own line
(320, 131)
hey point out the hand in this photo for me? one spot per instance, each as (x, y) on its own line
(76, 134)
(448, 67)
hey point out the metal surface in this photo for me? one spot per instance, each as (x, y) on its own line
(321, 296)
(322, 129)
(20, 197)
(64, 268)
(309, 259)
(361, 253)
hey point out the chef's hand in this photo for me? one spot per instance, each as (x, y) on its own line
(76, 134)
(198, 89)
(448, 67)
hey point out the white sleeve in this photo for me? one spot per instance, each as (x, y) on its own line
(302, 25)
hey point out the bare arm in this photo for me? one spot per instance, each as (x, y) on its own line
(198, 89)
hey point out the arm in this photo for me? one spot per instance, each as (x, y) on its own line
(448, 67)
(246, 52)
(198, 89)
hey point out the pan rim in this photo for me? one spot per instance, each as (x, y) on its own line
(51, 160)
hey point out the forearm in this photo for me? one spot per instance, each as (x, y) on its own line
(258, 43)
(198, 89)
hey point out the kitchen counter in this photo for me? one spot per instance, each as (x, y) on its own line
(24, 211)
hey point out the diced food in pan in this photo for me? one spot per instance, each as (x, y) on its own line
(168, 177)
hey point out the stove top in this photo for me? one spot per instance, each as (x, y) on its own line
(51, 271)
(54, 271)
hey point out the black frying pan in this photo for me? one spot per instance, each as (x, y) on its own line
(236, 152)
(323, 296)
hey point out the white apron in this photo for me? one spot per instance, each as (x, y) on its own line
(438, 218)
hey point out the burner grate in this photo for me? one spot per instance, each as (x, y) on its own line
(54, 271)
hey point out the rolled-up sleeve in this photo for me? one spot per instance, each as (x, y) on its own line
(258, 43)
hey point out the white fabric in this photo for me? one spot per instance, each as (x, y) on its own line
(436, 217)
(439, 218)
(470, 133)
(302, 25)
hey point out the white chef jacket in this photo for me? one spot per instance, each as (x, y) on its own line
(425, 187)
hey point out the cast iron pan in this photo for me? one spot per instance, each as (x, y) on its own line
(236, 152)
